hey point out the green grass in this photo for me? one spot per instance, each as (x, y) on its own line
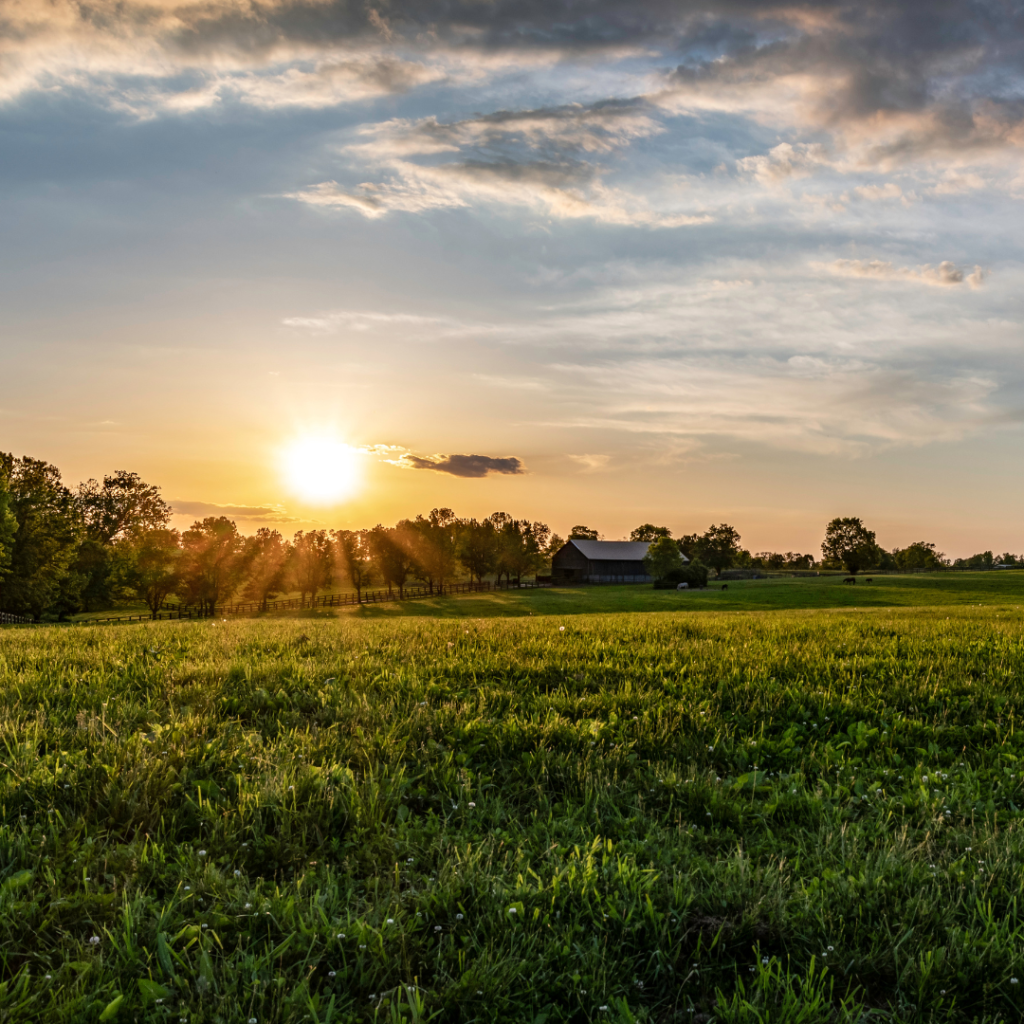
(912, 591)
(697, 815)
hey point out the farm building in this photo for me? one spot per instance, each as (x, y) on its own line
(601, 561)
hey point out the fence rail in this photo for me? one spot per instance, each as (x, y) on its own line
(242, 608)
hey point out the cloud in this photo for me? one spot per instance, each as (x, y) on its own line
(591, 463)
(946, 273)
(464, 465)
(784, 161)
(543, 159)
(251, 513)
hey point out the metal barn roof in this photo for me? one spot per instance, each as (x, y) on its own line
(613, 550)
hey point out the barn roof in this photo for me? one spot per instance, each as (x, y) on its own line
(613, 550)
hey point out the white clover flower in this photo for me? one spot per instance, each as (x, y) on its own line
(512, 910)
(341, 935)
(437, 927)
(363, 946)
(94, 941)
(409, 860)
(238, 874)
(391, 920)
(188, 888)
(458, 917)
(471, 804)
(248, 906)
(202, 853)
(764, 959)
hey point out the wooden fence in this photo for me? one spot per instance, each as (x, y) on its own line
(242, 608)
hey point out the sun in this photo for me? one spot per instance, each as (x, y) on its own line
(321, 470)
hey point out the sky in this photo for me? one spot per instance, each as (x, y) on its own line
(327, 263)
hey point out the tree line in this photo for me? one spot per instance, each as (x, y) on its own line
(65, 550)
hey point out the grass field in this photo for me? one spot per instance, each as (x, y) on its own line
(806, 814)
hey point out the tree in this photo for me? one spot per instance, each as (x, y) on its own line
(211, 564)
(919, 555)
(583, 533)
(689, 545)
(122, 504)
(354, 558)
(266, 556)
(40, 577)
(392, 555)
(435, 546)
(662, 558)
(312, 563)
(718, 547)
(478, 548)
(144, 565)
(850, 543)
(8, 524)
(649, 532)
(523, 547)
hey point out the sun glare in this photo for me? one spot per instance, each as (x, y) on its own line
(321, 470)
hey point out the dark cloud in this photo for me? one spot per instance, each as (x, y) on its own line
(252, 513)
(466, 465)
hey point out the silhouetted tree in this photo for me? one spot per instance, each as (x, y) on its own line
(311, 567)
(718, 547)
(850, 543)
(392, 554)
(122, 504)
(434, 541)
(266, 557)
(212, 563)
(649, 532)
(354, 558)
(144, 566)
(478, 548)
(583, 533)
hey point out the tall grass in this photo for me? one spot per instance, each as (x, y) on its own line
(771, 817)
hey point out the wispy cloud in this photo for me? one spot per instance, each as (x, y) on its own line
(944, 274)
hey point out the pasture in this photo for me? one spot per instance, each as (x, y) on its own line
(579, 814)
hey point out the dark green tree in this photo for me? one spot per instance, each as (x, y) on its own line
(718, 547)
(478, 548)
(122, 504)
(144, 566)
(40, 578)
(649, 532)
(583, 533)
(662, 558)
(849, 543)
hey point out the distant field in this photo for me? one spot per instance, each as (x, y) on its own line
(923, 590)
(692, 816)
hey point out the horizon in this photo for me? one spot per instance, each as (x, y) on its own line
(612, 264)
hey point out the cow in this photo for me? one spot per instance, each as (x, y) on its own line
(725, 586)
(850, 579)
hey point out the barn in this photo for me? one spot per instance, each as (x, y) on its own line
(601, 561)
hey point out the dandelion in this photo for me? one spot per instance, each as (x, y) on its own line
(248, 906)
(450, 644)
(202, 853)
(471, 804)
(94, 941)
(49, 977)
(1013, 981)
(188, 888)
(331, 974)
(561, 629)
(291, 787)
(410, 861)
(363, 946)
(830, 949)
(603, 1009)
(437, 927)
(764, 959)
(205, 926)
(252, 1020)
(391, 920)
(238, 874)
(512, 910)
(459, 917)
(341, 935)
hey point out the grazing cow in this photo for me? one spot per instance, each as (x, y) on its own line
(869, 580)
(850, 579)
(725, 586)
